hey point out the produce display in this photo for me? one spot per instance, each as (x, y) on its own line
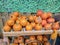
(41, 20)
(31, 40)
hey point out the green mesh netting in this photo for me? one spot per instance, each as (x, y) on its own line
(29, 5)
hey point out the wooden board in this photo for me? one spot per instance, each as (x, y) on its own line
(22, 33)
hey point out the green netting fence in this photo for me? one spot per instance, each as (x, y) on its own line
(29, 5)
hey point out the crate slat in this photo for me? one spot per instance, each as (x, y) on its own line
(27, 33)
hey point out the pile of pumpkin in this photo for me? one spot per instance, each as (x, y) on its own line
(41, 20)
(31, 40)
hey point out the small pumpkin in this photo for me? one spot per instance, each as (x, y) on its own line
(23, 16)
(38, 19)
(49, 14)
(10, 22)
(39, 12)
(44, 16)
(32, 37)
(29, 27)
(30, 18)
(55, 26)
(33, 24)
(6, 28)
(16, 14)
(14, 44)
(48, 26)
(13, 17)
(45, 39)
(27, 40)
(44, 22)
(47, 43)
(16, 41)
(34, 43)
(38, 27)
(23, 22)
(18, 21)
(17, 27)
(51, 20)
(40, 37)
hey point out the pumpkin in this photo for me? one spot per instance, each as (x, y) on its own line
(18, 21)
(30, 18)
(20, 38)
(48, 26)
(27, 40)
(23, 22)
(44, 22)
(22, 43)
(45, 39)
(10, 22)
(16, 41)
(16, 14)
(14, 44)
(23, 16)
(44, 16)
(13, 17)
(38, 19)
(39, 12)
(28, 23)
(49, 14)
(32, 37)
(55, 26)
(40, 37)
(38, 27)
(6, 28)
(50, 20)
(17, 27)
(34, 16)
(34, 43)
(29, 27)
(47, 43)
(33, 24)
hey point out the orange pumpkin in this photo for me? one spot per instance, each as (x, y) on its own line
(14, 44)
(10, 22)
(27, 40)
(50, 20)
(32, 37)
(38, 20)
(23, 22)
(47, 43)
(13, 17)
(49, 14)
(18, 21)
(30, 18)
(48, 26)
(6, 28)
(38, 27)
(55, 26)
(33, 24)
(39, 12)
(44, 16)
(44, 22)
(16, 14)
(39, 37)
(29, 27)
(34, 43)
(16, 41)
(45, 39)
(23, 16)
(17, 27)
